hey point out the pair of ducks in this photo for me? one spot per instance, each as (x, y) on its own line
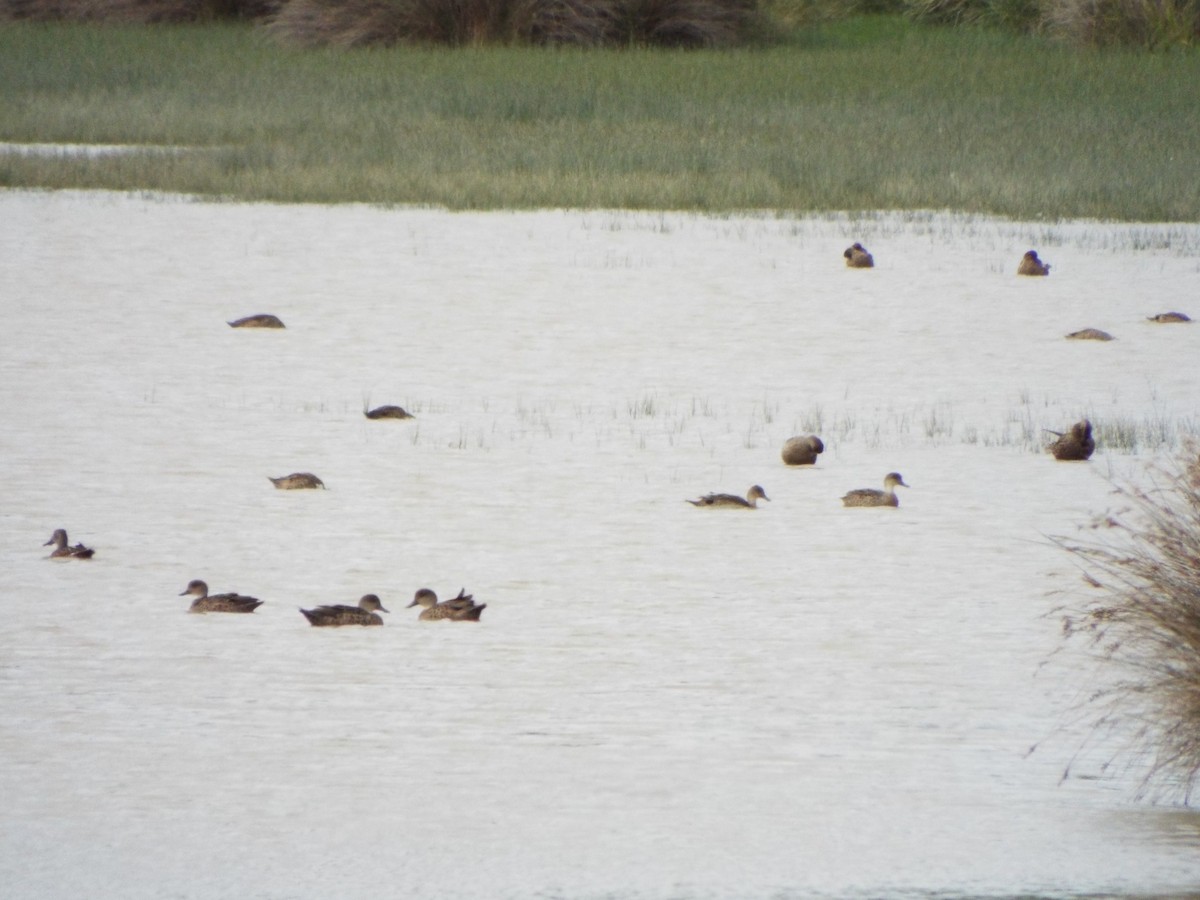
(462, 608)
(1096, 334)
(859, 497)
(858, 257)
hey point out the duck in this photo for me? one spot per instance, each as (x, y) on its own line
(802, 450)
(875, 497)
(338, 615)
(1076, 444)
(857, 257)
(388, 412)
(226, 603)
(261, 320)
(750, 501)
(1089, 334)
(62, 550)
(1031, 265)
(1168, 317)
(462, 608)
(297, 481)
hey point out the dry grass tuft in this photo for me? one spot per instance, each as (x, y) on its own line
(1144, 623)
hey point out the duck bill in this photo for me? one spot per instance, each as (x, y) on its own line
(381, 609)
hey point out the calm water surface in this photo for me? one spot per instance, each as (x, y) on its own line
(661, 701)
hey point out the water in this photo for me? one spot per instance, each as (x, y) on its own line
(660, 701)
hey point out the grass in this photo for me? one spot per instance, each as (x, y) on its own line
(1143, 622)
(871, 113)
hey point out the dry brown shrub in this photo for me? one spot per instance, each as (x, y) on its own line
(135, 12)
(1149, 23)
(338, 23)
(674, 23)
(1143, 623)
(684, 23)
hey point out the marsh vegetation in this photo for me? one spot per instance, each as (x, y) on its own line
(873, 113)
(1140, 616)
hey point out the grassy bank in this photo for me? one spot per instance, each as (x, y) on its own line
(866, 114)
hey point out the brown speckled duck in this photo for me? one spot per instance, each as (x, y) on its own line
(338, 615)
(297, 481)
(226, 603)
(261, 320)
(750, 501)
(1169, 317)
(802, 451)
(875, 497)
(1031, 265)
(63, 550)
(462, 608)
(1089, 334)
(857, 257)
(387, 412)
(1077, 444)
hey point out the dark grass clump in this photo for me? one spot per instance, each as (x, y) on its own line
(1144, 623)
(587, 23)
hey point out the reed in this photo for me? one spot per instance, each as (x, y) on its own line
(1143, 622)
(863, 116)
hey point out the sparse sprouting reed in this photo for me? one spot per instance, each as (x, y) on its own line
(1143, 623)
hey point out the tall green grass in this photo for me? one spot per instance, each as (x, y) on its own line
(867, 114)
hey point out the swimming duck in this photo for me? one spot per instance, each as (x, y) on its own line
(388, 412)
(226, 603)
(874, 497)
(338, 615)
(1076, 444)
(262, 320)
(1167, 317)
(802, 451)
(63, 551)
(297, 481)
(462, 608)
(1031, 265)
(1089, 334)
(750, 501)
(857, 257)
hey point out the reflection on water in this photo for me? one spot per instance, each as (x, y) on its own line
(661, 701)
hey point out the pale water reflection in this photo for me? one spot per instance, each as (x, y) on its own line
(661, 701)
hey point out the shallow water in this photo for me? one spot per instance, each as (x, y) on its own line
(661, 701)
